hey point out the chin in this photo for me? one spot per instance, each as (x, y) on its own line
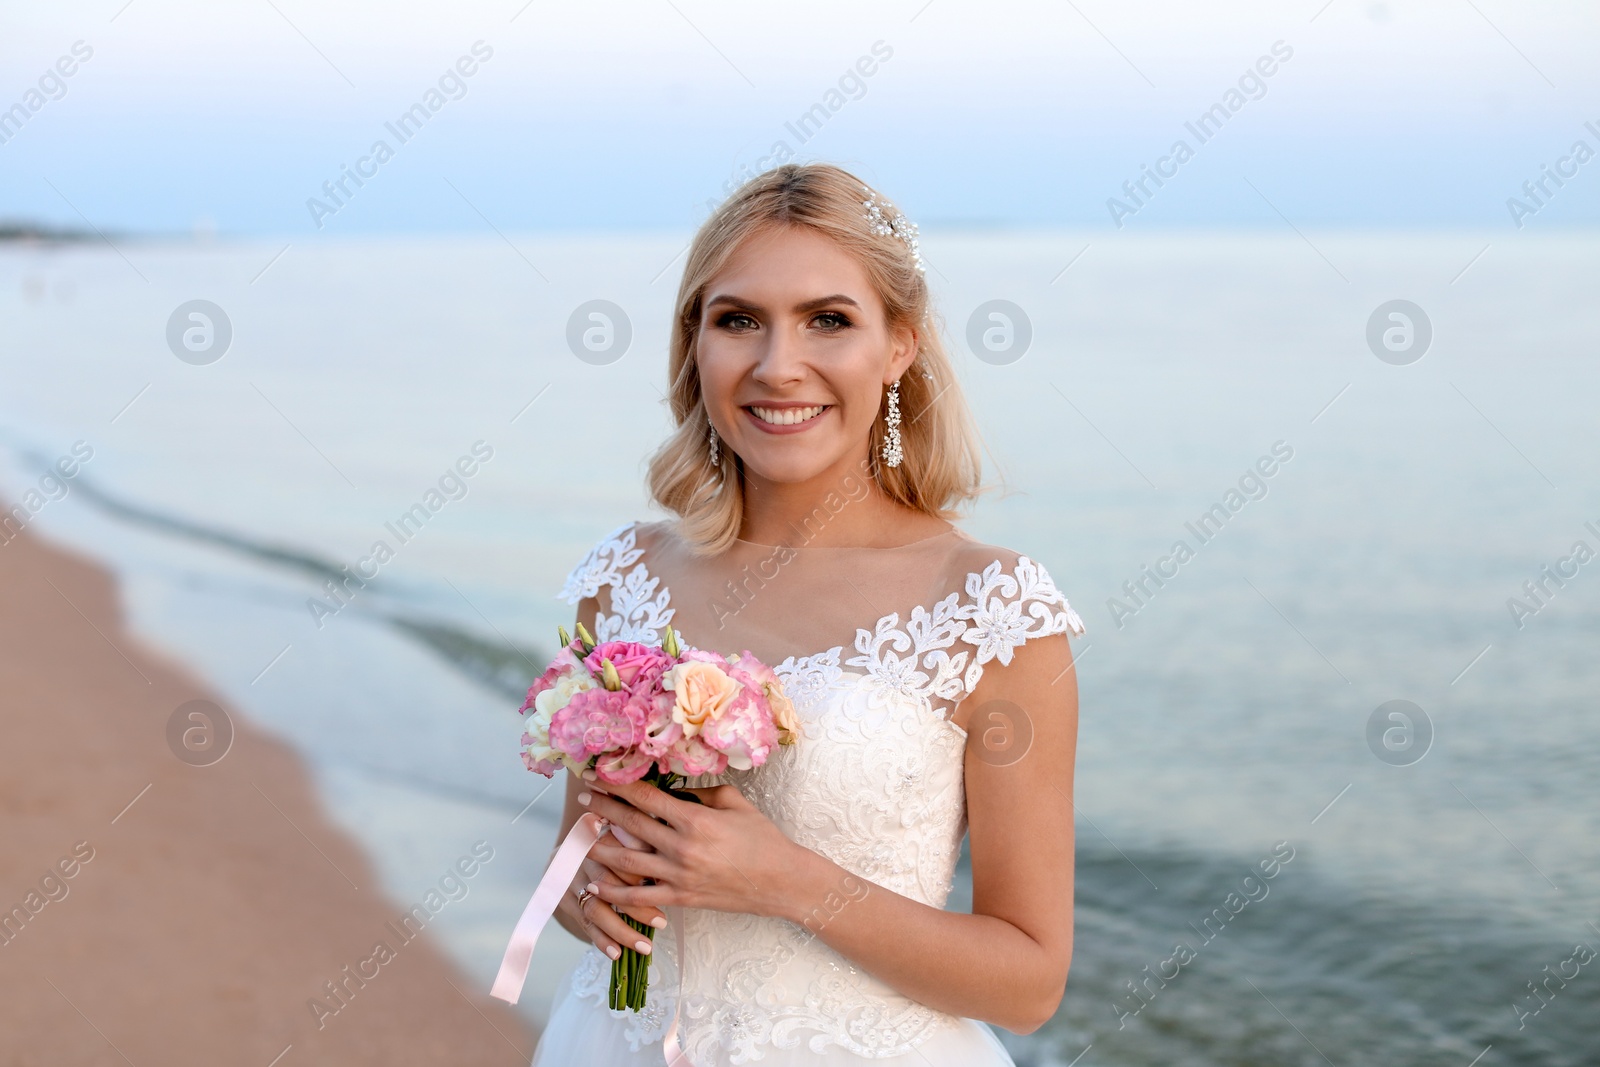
(786, 469)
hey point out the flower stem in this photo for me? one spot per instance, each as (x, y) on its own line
(630, 972)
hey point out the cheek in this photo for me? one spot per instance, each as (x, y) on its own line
(860, 392)
(718, 374)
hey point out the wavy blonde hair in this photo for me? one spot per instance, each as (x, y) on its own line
(942, 467)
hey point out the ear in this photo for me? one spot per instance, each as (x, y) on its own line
(903, 353)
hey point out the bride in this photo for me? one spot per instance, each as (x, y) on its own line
(822, 442)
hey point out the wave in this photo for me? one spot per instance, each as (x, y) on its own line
(503, 668)
(1311, 974)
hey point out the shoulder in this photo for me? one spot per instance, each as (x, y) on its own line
(604, 561)
(1009, 592)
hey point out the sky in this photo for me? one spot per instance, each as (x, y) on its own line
(182, 117)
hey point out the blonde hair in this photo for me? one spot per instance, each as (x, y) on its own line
(941, 468)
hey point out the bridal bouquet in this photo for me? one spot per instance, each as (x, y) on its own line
(628, 712)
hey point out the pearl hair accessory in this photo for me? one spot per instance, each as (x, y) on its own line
(898, 226)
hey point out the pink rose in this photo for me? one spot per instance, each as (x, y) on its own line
(626, 765)
(661, 730)
(745, 667)
(764, 680)
(639, 666)
(745, 733)
(691, 756)
(595, 721)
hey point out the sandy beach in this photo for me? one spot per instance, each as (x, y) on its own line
(167, 910)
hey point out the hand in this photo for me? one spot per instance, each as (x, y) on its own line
(599, 919)
(722, 854)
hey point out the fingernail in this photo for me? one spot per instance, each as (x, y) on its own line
(613, 951)
(591, 887)
(583, 798)
(659, 921)
(643, 946)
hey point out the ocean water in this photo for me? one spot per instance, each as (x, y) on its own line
(1226, 710)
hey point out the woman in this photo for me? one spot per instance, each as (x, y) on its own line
(822, 441)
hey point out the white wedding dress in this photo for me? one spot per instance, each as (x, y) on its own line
(874, 783)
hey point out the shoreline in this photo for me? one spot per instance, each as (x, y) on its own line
(158, 909)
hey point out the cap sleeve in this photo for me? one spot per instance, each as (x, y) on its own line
(602, 565)
(1006, 607)
(636, 606)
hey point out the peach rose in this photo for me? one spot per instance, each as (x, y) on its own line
(702, 692)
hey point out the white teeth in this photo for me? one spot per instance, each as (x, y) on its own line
(787, 416)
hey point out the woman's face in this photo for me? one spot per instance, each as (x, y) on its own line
(794, 354)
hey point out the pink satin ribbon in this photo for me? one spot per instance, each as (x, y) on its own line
(557, 877)
(542, 905)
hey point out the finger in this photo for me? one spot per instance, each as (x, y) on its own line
(595, 934)
(607, 923)
(592, 870)
(650, 916)
(632, 861)
(650, 800)
(634, 820)
(630, 895)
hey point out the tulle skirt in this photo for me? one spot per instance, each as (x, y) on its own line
(585, 1032)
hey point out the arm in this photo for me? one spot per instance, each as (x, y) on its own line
(1006, 963)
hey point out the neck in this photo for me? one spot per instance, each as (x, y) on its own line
(841, 507)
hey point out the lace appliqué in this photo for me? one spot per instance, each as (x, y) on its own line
(875, 785)
(1005, 610)
(638, 611)
(1002, 611)
(591, 980)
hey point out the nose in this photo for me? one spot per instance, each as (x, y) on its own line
(782, 359)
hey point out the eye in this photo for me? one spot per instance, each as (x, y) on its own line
(833, 321)
(735, 321)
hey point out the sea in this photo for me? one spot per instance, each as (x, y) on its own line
(1371, 667)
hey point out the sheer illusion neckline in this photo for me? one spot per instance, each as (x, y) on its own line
(953, 531)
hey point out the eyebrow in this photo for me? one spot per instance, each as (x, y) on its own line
(809, 305)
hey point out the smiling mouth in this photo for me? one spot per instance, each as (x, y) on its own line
(787, 416)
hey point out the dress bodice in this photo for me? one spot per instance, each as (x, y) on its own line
(875, 784)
